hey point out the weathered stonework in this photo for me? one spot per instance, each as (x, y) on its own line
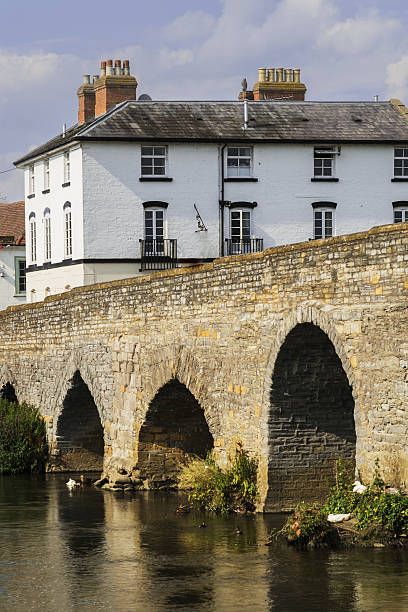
(219, 329)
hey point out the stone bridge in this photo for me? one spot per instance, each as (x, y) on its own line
(300, 352)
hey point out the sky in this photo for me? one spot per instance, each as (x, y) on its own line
(187, 50)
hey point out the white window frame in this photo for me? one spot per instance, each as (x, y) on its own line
(157, 154)
(400, 210)
(67, 232)
(324, 154)
(31, 179)
(154, 211)
(239, 153)
(46, 174)
(401, 155)
(33, 239)
(327, 212)
(67, 167)
(47, 237)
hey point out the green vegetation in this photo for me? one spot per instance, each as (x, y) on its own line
(222, 491)
(23, 444)
(377, 515)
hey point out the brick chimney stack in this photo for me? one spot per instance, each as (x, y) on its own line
(276, 84)
(113, 85)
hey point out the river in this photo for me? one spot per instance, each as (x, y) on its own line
(88, 549)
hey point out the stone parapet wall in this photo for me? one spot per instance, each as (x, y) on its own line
(218, 328)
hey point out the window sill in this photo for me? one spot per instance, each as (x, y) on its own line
(241, 179)
(327, 179)
(45, 191)
(162, 179)
(32, 195)
(20, 295)
(67, 184)
(400, 179)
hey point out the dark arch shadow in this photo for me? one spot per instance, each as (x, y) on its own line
(8, 393)
(311, 421)
(79, 435)
(175, 427)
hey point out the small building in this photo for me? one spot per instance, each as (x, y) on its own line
(12, 254)
(141, 185)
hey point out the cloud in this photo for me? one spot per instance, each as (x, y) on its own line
(190, 28)
(397, 79)
(179, 57)
(358, 35)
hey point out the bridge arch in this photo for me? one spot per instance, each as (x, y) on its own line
(174, 428)
(177, 419)
(81, 411)
(7, 384)
(309, 409)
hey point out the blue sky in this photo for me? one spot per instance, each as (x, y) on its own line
(188, 49)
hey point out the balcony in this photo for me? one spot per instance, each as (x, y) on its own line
(158, 254)
(236, 246)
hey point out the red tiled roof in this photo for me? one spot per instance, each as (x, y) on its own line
(12, 223)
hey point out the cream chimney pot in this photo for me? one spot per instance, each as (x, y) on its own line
(87, 79)
(271, 75)
(296, 75)
(262, 75)
(279, 75)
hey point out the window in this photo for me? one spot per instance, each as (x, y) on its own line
(154, 231)
(31, 180)
(46, 174)
(67, 167)
(153, 161)
(239, 161)
(400, 212)
(33, 238)
(324, 161)
(67, 230)
(401, 163)
(47, 236)
(20, 271)
(323, 219)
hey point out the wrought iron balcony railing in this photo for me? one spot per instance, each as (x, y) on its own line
(237, 246)
(158, 254)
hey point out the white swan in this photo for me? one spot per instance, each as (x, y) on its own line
(338, 518)
(358, 487)
(72, 483)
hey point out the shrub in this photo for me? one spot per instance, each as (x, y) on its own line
(374, 507)
(308, 527)
(23, 444)
(217, 490)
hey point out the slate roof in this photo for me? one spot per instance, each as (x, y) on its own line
(12, 223)
(269, 121)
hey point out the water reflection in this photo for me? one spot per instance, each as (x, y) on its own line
(93, 550)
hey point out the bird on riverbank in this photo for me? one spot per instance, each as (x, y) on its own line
(202, 525)
(238, 531)
(358, 487)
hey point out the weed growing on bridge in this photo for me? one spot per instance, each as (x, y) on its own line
(23, 444)
(217, 490)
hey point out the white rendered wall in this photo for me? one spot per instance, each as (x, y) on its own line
(113, 197)
(285, 193)
(108, 215)
(8, 295)
(54, 200)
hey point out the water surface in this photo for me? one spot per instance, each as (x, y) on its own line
(95, 550)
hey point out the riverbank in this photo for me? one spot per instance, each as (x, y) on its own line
(353, 514)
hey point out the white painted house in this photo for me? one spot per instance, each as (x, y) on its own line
(12, 255)
(143, 185)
